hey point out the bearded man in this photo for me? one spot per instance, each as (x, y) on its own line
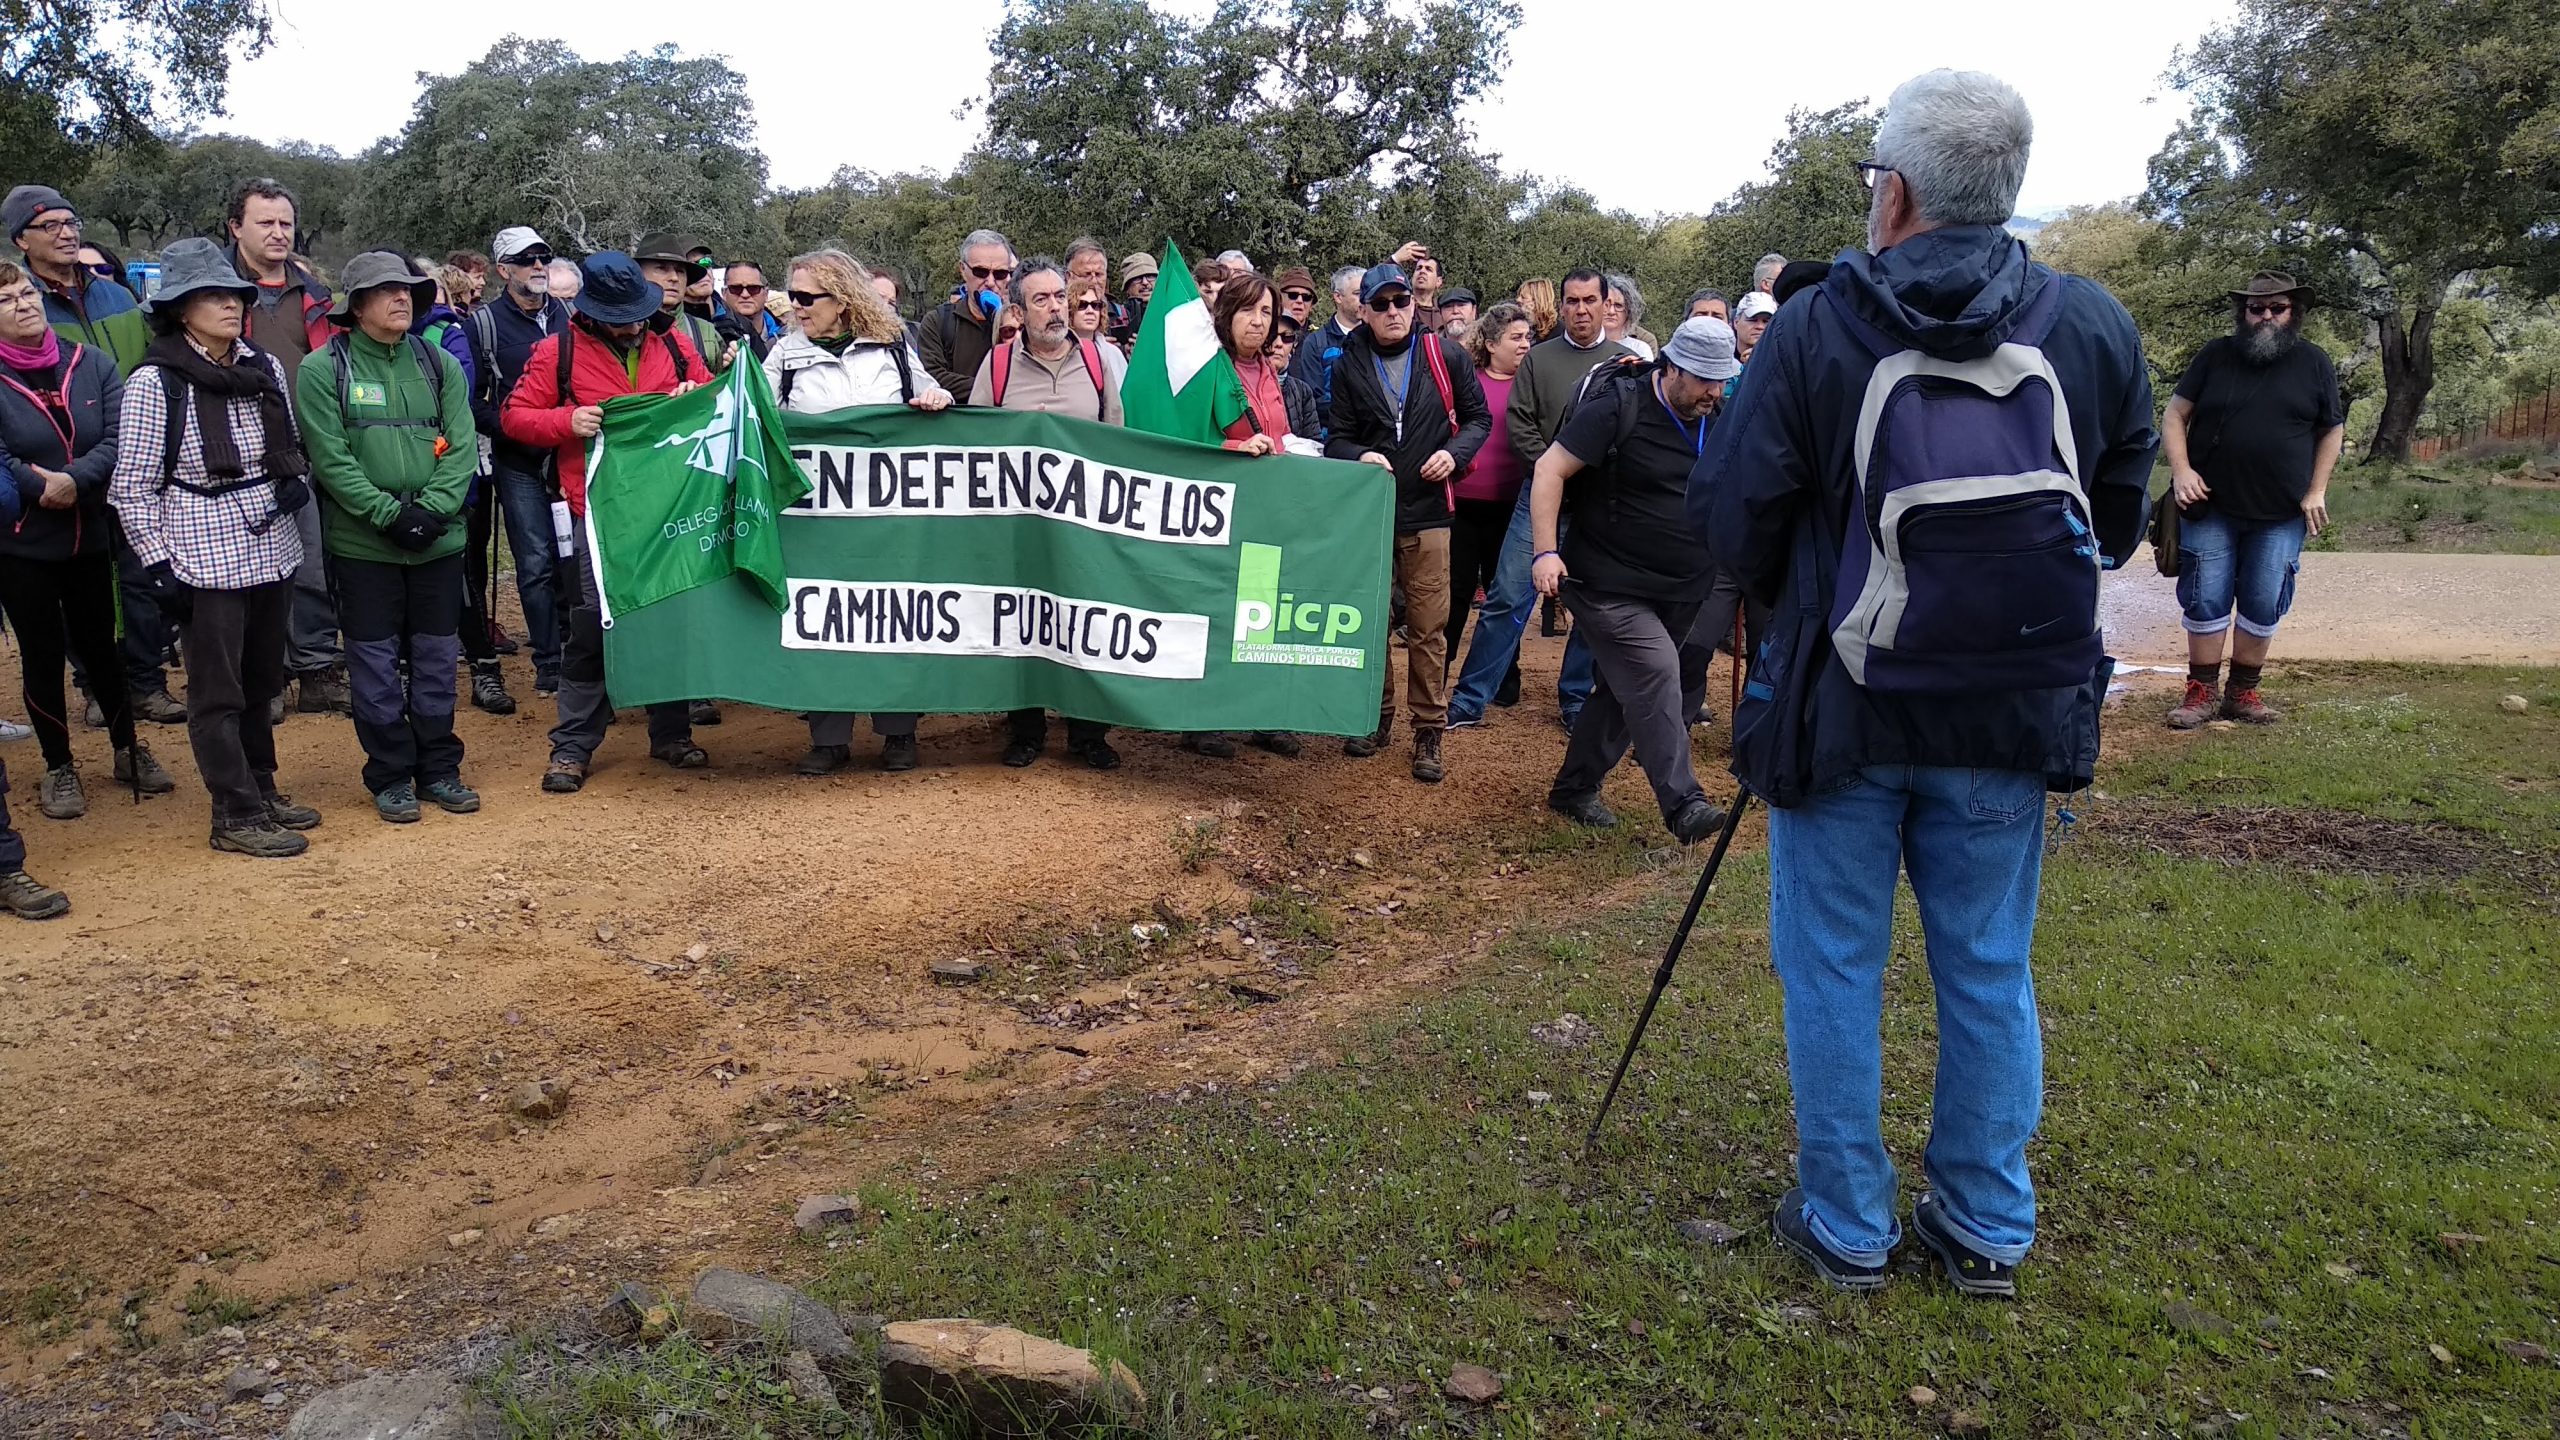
(2252, 434)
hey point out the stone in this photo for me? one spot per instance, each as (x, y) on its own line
(809, 1383)
(2515, 704)
(1005, 1381)
(622, 1313)
(1364, 860)
(1708, 1232)
(396, 1407)
(959, 972)
(2460, 1242)
(1921, 1396)
(1965, 1422)
(2442, 1356)
(1473, 1384)
(821, 1213)
(656, 1324)
(731, 1305)
(1567, 1031)
(463, 1239)
(540, 1099)
(2525, 1350)
(246, 1382)
(2193, 1320)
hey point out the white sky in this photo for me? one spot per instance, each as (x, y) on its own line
(827, 92)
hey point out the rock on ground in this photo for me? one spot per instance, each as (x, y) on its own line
(819, 1214)
(808, 1382)
(540, 1099)
(730, 1305)
(1006, 1381)
(396, 1407)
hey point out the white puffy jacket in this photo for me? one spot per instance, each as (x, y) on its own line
(865, 374)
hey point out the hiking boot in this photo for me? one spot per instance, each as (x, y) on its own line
(546, 686)
(1280, 743)
(703, 712)
(1968, 1269)
(1216, 747)
(2245, 707)
(680, 755)
(324, 693)
(138, 767)
(824, 759)
(264, 840)
(157, 706)
(59, 795)
(1361, 747)
(1096, 754)
(489, 688)
(275, 712)
(21, 896)
(1583, 810)
(1696, 821)
(94, 716)
(453, 797)
(898, 753)
(1019, 754)
(1795, 1232)
(499, 640)
(1426, 757)
(398, 804)
(1507, 693)
(2197, 708)
(567, 775)
(281, 811)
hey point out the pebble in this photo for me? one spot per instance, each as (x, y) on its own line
(1922, 1396)
(1473, 1384)
(2515, 704)
(959, 972)
(463, 1239)
(1708, 1232)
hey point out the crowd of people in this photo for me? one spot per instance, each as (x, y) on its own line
(1895, 475)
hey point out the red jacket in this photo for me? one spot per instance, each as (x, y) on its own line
(536, 414)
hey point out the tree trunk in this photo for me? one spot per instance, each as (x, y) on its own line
(2408, 373)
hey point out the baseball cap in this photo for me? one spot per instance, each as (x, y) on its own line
(1459, 296)
(1703, 346)
(515, 240)
(1381, 276)
(1755, 305)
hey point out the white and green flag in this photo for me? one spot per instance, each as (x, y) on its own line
(686, 490)
(1180, 381)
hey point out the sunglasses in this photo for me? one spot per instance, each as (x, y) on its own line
(807, 297)
(1089, 305)
(530, 257)
(984, 273)
(1308, 296)
(103, 270)
(744, 289)
(2276, 307)
(1385, 303)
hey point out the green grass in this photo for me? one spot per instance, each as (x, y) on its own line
(2445, 505)
(2271, 1090)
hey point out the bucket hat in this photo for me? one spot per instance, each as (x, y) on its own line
(612, 291)
(669, 246)
(2267, 283)
(1703, 346)
(190, 265)
(1135, 266)
(371, 271)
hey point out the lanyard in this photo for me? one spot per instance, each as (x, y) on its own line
(1396, 396)
(1697, 442)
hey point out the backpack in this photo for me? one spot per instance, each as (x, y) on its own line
(1000, 368)
(1623, 380)
(1967, 563)
(419, 350)
(897, 351)
(566, 389)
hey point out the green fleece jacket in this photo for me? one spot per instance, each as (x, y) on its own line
(367, 469)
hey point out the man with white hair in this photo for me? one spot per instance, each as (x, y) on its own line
(1910, 717)
(1765, 274)
(1235, 263)
(955, 338)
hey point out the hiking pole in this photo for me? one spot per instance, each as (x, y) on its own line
(1670, 958)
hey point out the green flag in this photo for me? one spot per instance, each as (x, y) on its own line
(1180, 381)
(684, 490)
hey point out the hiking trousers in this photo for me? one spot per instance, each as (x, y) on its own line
(61, 608)
(405, 724)
(1648, 686)
(235, 667)
(582, 705)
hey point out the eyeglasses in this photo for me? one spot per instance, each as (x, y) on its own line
(1305, 296)
(807, 297)
(744, 290)
(984, 272)
(1870, 171)
(2270, 307)
(1385, 303)
(68, 224)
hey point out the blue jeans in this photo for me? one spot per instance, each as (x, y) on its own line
(2244, 564)
(1508, 603)
(1973, 843)
(525, 504)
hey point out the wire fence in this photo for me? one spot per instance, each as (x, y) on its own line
(2532, 420)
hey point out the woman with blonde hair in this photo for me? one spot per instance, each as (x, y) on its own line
(1537, 295)
(1088, 318)
(847, 347)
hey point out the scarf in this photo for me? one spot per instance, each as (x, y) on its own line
(215, 385)
(39, 357)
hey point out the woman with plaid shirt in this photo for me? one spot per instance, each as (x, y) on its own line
(206, 487)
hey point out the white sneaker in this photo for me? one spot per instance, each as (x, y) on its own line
(12, 730)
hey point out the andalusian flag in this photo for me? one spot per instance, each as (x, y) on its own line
(1180, 381)
(687, 490)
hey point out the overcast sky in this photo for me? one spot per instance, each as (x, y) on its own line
(828, 92)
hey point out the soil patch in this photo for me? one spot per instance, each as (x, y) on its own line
(2310, 839)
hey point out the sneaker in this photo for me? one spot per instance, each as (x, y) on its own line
(1019, 754)
(159, 707)
(1795, 1232)
(1096, 754)
(1696, 821)
(1426, 757)
(898, 753)
(398, 804)
(1280, 743)
(1583, 810)
(59, 794)
(680, 755)
(1969, 1270)
(546, 685)
(1215, 746)
(324, 694)
(21, 896)
(12, 730)
(275, 712)
(283, 812)
(95, 715)
(138, 767)
(1461, 721)
(567, 775)
(2196, 708)
(489, 689)
(500, 641)
(263, 841)
(453, 797)
(703, 712)
(1507, 694)
(2245, 707)
(824, 760)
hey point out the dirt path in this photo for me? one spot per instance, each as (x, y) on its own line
(2470, 609)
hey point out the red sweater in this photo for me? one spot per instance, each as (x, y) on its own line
(1264, 405)
(536, 414)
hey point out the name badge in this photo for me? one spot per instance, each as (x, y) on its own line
(368, 392)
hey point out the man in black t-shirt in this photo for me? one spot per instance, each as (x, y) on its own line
(2251, 434)
(1632, 572)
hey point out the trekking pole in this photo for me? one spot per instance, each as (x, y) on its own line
(1670, 959)
(1736, 706)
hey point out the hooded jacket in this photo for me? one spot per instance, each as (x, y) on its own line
(385, 442)
(1771, 497)
(1363, 419)
(537, 414)
(865, 374)
(31, 434)
(99, 314)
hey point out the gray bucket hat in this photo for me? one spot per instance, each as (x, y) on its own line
(1703, 346)
(371, 271)
(194, 264)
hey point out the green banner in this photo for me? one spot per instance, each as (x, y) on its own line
(978, 560)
